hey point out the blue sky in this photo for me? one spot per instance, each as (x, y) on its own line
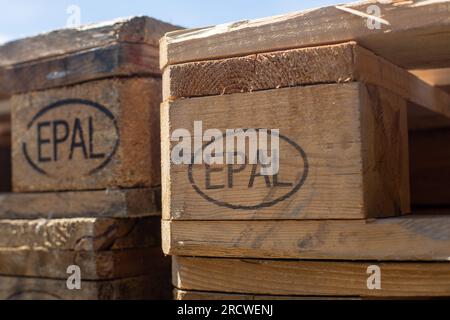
(21, 18)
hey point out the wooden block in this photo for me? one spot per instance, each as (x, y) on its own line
(400, 37)
(310, 278)
(101, 265)
(96, 135)
(429, 154)
(63, 57)
(137, 288)
(124, 203)
(410, 238)
(198, 295)
(343, 155)
(345, 62)
(81, 234)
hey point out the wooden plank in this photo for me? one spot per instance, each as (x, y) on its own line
(97, 135)
(430, 167)
(101, 265)
(306, 278)
(410, 238)
(144, 287)
(81, 234)
(199, 295)
(399, 39)
(315, 65)
(144, 30)
(125, 203)
(352, 161)
(117, 60)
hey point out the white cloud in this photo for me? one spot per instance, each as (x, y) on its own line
(4, 38)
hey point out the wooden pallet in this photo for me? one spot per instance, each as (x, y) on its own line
(366, 181)
(85, 114)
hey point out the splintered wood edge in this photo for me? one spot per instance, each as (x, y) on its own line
(315, 27)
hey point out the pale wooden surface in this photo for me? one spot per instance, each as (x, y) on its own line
(116, 60)
(80, 234)
(124, 203)
(407, 238)
(152, 286)
(129, 30)
(350, 153)
(345, 62)
(100, 265)
(306, 278)
(199, 295)
(413, 25)
(135, 105)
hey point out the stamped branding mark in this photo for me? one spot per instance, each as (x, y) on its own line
(71, 138)
(234, 186)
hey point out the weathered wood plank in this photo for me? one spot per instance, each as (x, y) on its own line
(116, 60)
(352, 163)
(399, 38)
(101, 265)
(401, 239)
(152, 286)
(199, 295)
(97, 135)
(81, 234)
(306, 66)
(130, 30)
(125, 203)
(306, 278)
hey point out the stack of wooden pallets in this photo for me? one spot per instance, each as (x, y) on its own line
(358, 207)
(83, 221)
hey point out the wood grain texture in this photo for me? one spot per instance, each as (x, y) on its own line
(355, 144)
(101, 265)
(400, 41)
(344, 62)
(80, 234)
(125, 132)
(152, 286)
(199, 295)
(116, 60)
(407, 238)
(306, 278)
(125, 203)
(430, 167)
(143, 30)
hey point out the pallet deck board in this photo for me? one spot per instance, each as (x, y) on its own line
(417, 238)
(125, 203)
(310, 278)
(80, 234)
(100, 265)
(136, 288)
(116, 60)
(400, 42)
